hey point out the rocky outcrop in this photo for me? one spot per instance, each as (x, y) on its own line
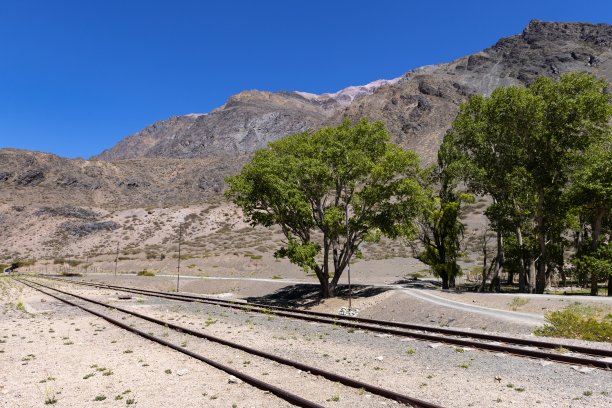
(247, 122)
(39, 180)
(419, 108)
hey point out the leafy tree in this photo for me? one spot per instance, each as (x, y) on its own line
(521, 145)
(440, 234)
(576, 116)
(591, 192)
(329, 191)
(440, 230)
(597, 263)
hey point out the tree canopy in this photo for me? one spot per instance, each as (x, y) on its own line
(329, 191)
(525, 146)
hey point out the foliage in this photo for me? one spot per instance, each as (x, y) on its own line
(598, 262)
(329, 191)
(441, 234)
(145, 272)
(517, 302)
(578, 321)
(22, 263)
(522, 146)
(440, 230)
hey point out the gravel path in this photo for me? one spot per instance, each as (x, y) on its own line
(515, 317)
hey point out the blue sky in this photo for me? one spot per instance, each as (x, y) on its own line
(77, 76)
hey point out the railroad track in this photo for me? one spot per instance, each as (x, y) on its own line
(281, 393)
(553, 351)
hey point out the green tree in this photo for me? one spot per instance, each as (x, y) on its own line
(441, 234)
(591, 192)
(440, 230)
(329, 191)
(521, 145)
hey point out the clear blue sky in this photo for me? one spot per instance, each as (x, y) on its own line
(77, 76)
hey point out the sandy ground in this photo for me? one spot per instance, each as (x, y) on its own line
(50, 350)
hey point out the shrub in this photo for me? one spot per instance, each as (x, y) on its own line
(518, 302)
(578, 321)
(144, 272)
(71, 274)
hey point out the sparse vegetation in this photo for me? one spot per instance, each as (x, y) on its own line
(517, 302)
(578, 321)
(145, 272)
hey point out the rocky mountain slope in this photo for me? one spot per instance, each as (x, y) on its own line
(417, 107)
(140, 190)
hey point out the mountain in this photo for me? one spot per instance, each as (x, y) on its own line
(138, 192)
(417, 108)
(245, 123)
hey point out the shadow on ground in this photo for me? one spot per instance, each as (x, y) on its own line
(305, 296)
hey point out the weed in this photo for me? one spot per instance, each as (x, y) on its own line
(517, 302)
(465, 364)
(100, 397)
(459, 350)
(578, 321)
(86, 376)
(587, 393)
(410, 350)
(335, 398)
(168, 371)
(128, 351)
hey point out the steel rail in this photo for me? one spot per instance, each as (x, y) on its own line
(304, 367)
(404, 329)
(279, 392)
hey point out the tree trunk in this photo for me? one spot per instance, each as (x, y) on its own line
(523, 269)
(494, 285)
(522, 281)
(532, 276)
(485, 272)
(322, 273)
(563, 275)
(444, 276)
(444, 282)
(596, 232)
(610, 285)
(541, 274)
(499, 267)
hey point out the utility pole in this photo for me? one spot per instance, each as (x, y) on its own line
(116, 258)
(178, 268)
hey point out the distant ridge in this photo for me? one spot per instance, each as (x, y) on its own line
(417, 107)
